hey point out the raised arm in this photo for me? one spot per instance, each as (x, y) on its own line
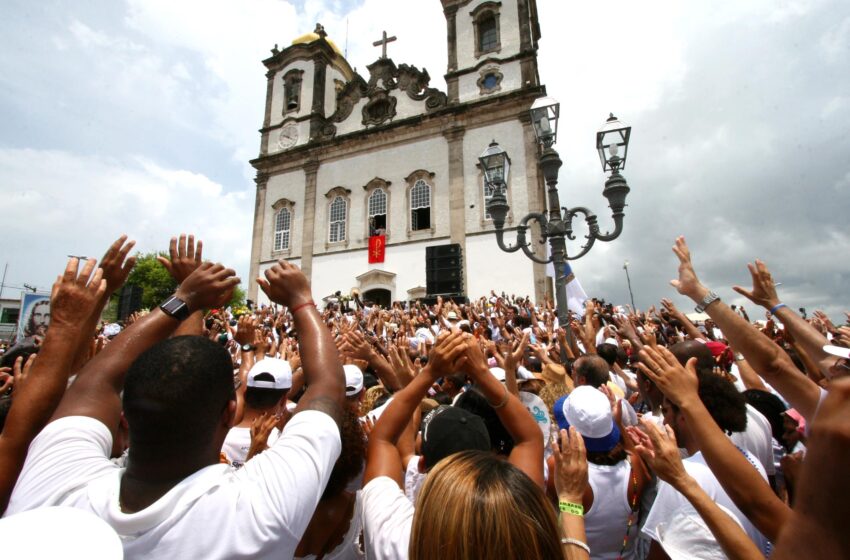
(808, 337)
(571, 483)
(74, 299)
(356, 346)
(323, 374)
(383, 458)
(116, 266)
(97, 388)
(742, 482)
(690, 329)
(513, 357)
(658, 448)
(527, 454)
(766, 358)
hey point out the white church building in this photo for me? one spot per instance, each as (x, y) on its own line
(387, 156)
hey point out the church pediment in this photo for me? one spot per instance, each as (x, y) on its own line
(376, 278)
(380, 99)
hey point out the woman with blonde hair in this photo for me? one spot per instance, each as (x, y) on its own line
(476, 505)
(473, 503)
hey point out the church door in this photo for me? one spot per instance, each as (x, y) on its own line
(379, 296)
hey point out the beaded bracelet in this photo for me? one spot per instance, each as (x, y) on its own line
(297, 307)
(571, 508)
(576, 542)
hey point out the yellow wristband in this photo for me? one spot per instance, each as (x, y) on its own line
(571, 508)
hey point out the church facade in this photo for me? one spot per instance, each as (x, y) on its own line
(358, 175)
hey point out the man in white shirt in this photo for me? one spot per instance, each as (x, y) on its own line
(174, 499)
(728, 409)
(268, 381)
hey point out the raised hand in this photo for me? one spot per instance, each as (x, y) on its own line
(286, 284)
(74, 296)
(400, 360)
(679, 384)
(209, 285)
(449, 353)
(21, 370)
(687, 284)
(570, 466)
(261, 429)
(669, 306)
(356, 346)
(659, 449)
(245, 330)
(186, 257)
(116, 265)
(514, 357)
(764, 288)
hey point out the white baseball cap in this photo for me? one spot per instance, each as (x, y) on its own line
(353, 380)
(498, 373)
(588, 410)
(279, 370)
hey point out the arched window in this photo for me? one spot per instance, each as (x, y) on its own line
(377, 212)
(488, 36)
(420, 206)
(292, 91)
(485, 20)
(336, 223)
(282, 226)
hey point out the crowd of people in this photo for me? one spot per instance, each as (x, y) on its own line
(459, 430)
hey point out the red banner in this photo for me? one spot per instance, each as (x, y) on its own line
(377, 248)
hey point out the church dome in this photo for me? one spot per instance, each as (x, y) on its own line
(313, 36)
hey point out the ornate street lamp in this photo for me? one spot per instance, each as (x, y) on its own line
(612, 142)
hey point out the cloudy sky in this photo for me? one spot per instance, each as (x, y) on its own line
(140, 116)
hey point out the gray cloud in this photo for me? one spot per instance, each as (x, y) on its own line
(740, 113)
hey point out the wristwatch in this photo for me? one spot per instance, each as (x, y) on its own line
(709, 298)
(248, 347)
(175, 307)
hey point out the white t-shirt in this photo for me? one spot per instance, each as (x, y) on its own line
(668, 500)
(413, 479)
(238, 442)
(757, 439)
(259, 511)
(387, 520)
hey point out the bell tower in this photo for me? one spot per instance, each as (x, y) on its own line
(492, 47)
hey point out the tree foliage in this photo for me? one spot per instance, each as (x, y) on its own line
(157, 284)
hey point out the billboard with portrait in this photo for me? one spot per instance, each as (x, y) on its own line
(35, 315)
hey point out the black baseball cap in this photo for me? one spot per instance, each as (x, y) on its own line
(447, 430)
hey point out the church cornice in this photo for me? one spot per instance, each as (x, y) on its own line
(499, 108)
(532, 53)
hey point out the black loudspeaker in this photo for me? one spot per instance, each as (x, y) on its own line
(129, 301)
(444, 269)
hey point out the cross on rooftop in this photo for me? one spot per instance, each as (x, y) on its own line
(383, 43)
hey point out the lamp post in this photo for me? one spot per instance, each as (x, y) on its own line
(557, 227)
(629, 281)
